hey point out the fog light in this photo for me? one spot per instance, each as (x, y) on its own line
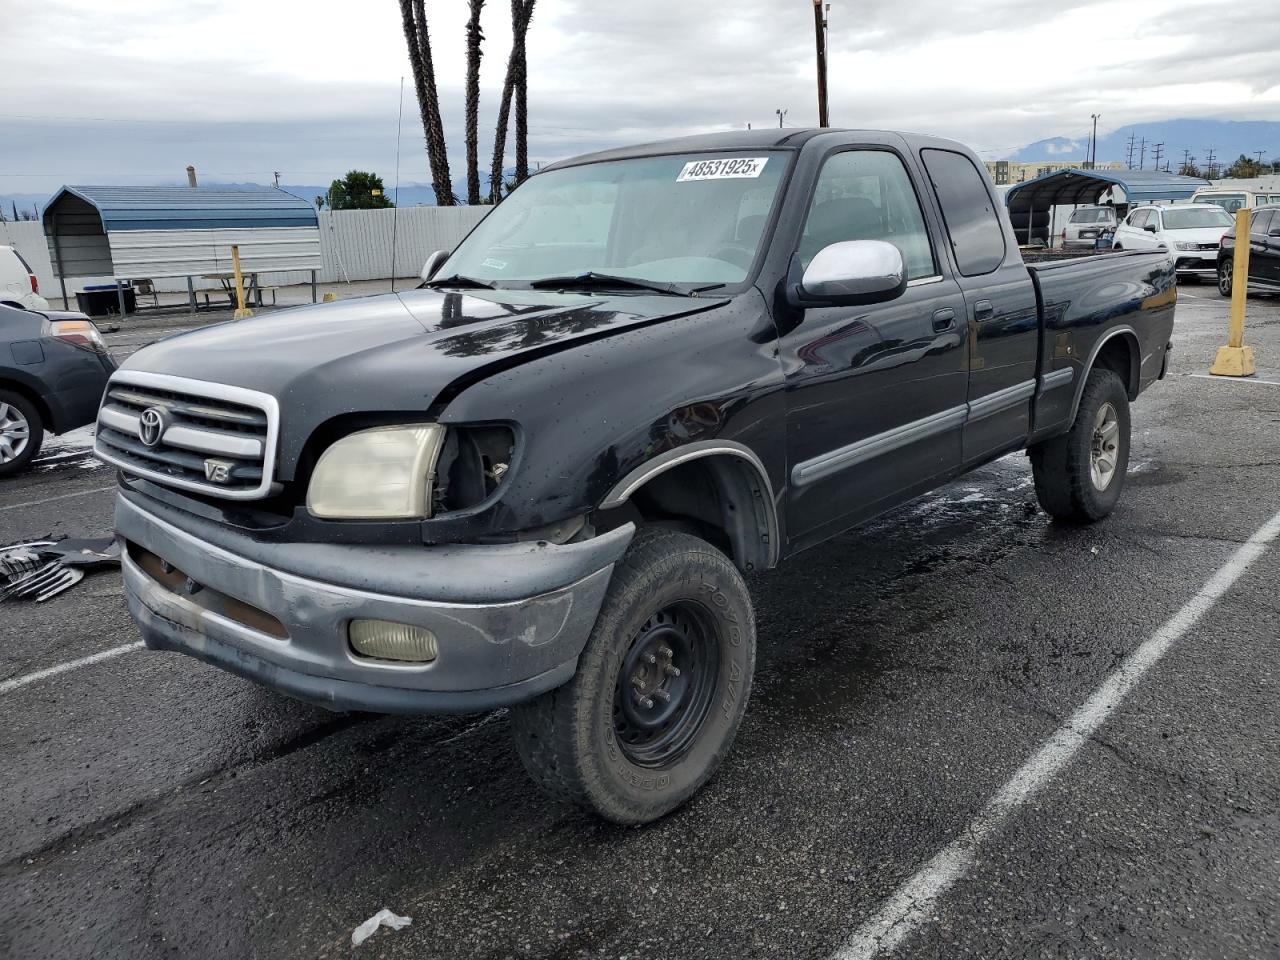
(385, 640)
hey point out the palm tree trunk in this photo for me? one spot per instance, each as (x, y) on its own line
(522, 108)
(521, 13)
(417, 38)
(474, 38)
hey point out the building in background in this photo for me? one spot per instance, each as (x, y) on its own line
(1005, 172)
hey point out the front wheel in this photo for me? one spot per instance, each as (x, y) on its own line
(660, 690)
(1079, 475)
(1225, 270)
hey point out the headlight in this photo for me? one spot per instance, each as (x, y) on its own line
(381, 474)
(1185, 245)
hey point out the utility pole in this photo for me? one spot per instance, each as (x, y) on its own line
(1142, 156)
(820, 38)
(1093, 150)
(1259, 153)
(276, 174)
(1186, 159)
(1159, 153)
(781, 114)
(1129, 159)
(1209, 166)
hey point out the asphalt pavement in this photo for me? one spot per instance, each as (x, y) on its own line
(158, 807)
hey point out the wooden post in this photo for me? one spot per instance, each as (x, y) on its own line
(242, 311)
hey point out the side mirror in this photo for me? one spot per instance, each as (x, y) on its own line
(852, 273)
(1150, 228)
(434, 263)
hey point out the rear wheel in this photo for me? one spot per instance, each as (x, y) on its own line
(1079, 476)
(21, 433)
(660, 689)
(1226, 270)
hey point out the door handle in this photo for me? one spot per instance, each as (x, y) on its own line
(943, 319)
(982, 310)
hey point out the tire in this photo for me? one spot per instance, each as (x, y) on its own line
(1226, 269)
(21, 433)
(586, 741)
(1067, 485)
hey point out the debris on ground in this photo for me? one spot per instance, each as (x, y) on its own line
(41, 569)
(383, 918)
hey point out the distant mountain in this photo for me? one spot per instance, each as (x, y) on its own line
(1227, 138)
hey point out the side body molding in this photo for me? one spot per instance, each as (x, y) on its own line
(757, 492)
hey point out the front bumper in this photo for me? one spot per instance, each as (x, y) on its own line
(1196, 263)
(510, 619)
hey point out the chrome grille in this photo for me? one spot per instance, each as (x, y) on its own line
(189, 434)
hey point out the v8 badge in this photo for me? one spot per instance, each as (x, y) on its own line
(218, 471)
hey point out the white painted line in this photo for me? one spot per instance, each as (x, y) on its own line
(916, 902)
(9, 686)
(61, 496)
(1211, 376)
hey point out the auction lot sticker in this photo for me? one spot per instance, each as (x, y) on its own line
(730, 168)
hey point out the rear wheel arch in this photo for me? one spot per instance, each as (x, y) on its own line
(25, 391)
(719, 488)
(1120, 352)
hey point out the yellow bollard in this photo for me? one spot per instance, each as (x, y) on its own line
(1235, 359)
(330, 297)
(242, 311)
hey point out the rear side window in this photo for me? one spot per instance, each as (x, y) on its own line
(1261, 223)
(1138, 218)
(974, 229)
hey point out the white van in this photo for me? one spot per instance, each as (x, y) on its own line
(1231, 198)
(18, 284)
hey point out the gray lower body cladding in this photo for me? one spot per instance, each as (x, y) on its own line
(510, 619)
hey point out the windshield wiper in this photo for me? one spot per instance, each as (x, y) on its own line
(457, 280)
(603, 280)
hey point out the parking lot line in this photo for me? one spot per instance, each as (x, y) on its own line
(61, 496)
(1210, 376)
(8, 686)
(915, 902)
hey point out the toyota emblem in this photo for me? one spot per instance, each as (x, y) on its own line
(151, 426)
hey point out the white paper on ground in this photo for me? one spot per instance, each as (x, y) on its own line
(383, 918)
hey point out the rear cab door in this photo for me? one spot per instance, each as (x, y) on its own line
(1264, 249)
(1001, 309)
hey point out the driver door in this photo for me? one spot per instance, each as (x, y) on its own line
(875, 394)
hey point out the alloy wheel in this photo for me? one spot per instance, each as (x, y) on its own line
(1105, 452)
(15, 432)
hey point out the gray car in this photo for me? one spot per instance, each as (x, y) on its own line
(53, 369)
(1087, 224)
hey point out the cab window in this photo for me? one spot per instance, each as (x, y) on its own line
(977, 236)
(867, 195)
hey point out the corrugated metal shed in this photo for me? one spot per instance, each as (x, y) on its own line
(136, 232)
(1086, 186)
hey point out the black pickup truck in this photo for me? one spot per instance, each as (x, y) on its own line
(537, 480)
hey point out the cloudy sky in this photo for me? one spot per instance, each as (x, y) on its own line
(133, 90)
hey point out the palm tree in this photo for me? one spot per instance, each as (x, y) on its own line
(521, 14)
(475, 36)
(414, 16)
(522, 109)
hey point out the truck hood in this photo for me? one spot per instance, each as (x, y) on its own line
(394, 353)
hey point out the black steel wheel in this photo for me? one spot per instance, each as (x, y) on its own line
(660, 690)
(664, 688)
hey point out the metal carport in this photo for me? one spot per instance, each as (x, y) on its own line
(1029, 204)
(127, 233)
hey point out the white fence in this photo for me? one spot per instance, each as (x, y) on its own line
(354, 244)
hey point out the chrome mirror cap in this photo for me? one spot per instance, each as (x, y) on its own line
(434, 263)
(854, 272)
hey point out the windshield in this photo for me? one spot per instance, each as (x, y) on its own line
(1092, 216)
(694, 219)
(1195, 218)
(1230, 202)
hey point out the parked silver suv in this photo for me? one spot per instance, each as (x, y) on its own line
(1087, 224)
